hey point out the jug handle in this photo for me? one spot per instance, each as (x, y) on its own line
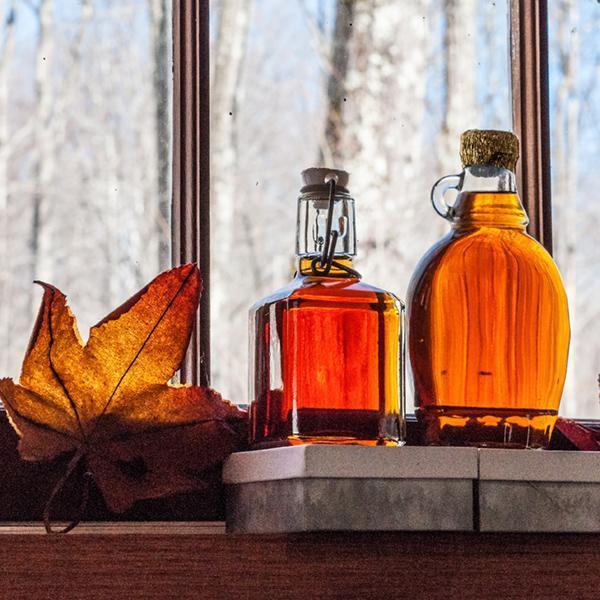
(438, 191)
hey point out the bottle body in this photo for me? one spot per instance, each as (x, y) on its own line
(488, 330)
(325, 358)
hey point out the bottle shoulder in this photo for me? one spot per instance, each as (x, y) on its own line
(276, 296)
(489, 241)
(485, 240)
(330, 289)
(429, 262)
(482, 252)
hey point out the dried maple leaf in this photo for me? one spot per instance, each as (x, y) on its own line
(109, 402)
(581, 436)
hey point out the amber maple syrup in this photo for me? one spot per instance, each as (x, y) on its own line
(326, 350)
(337, 367)
(488, 326)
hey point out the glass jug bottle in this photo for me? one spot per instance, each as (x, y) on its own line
(488, 317)
(326, 351)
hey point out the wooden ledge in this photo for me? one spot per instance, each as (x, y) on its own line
(163, 528)
(179, 560)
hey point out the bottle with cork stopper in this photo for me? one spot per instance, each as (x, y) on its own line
(326, 351)
(488, 323)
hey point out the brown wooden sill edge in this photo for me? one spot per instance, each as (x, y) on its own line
(25, 487)
(321, 565)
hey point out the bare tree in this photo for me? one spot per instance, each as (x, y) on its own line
(6, 52)
(229, 50)
(566, 170)
(230, 44)
(161, 38)
(336, 93)
(81, 158)
(44, 164)
(382, 144)
(459, 55)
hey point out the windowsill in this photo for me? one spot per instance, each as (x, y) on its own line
(26, 486)
(411, 488)
(162, 528)
(181, 561)
(195, 560)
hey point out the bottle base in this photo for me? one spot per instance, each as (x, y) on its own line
(340, 440)
(486, 427)
(332, 440)
(332, 426)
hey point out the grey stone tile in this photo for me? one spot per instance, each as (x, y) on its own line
(316, 488)
(539, 465)
(350, 505)
(539, 506)
(331, 461)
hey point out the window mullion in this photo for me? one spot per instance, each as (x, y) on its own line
(190, 204)
(531, 115)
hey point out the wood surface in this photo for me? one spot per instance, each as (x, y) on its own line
(531, 114)
(309, 566)
(191, 162)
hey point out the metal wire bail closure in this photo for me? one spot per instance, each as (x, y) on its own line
(322, 265)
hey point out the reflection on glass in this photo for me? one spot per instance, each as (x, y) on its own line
(381, 89)
(574, 42)
(84, 156)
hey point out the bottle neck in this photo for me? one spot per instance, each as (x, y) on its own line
(487, 178)
(304, 267)
(311, 228)
(488, 198)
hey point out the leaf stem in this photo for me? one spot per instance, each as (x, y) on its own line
(87, 476)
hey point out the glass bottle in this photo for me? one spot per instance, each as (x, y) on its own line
(326, 351)
(488, 316)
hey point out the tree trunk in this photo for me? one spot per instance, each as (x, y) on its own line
(229, 51)
(230, 46)
(565, 171)
(332, 154)
(43, 166)
(6, 52)
(460, 110)
(382, 143)
(161, 38)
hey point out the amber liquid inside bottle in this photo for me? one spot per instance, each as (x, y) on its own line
(488, 330)
(326, 359)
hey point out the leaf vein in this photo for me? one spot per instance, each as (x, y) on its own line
(143, 345)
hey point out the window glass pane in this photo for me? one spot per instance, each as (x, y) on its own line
(574, 41)
(382, 89)
(84, 156)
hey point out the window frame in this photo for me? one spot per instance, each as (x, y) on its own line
(191, 213)
(531, 112)
(528, 21)
(190, 216)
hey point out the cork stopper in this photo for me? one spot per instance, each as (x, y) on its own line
(489, 147)
(320, 176)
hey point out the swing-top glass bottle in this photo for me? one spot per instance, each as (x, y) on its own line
(326, 351)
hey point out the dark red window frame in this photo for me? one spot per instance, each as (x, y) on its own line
(191, 203)
(531, 111)
(25, 484)
(191, 143)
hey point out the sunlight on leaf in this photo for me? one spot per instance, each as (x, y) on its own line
(110, 401)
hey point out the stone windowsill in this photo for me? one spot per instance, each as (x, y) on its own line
(353, 488)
